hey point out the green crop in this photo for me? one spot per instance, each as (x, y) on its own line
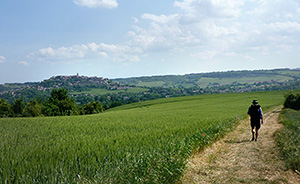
(145, 142)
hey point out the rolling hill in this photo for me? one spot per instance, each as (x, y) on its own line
(204, 80)
(112, 92)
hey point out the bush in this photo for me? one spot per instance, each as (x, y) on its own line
(292, 101)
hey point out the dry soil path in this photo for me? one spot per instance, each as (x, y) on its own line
(235, 159)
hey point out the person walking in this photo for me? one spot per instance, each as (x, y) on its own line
(256, 119)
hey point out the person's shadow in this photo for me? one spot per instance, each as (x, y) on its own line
(236, 142)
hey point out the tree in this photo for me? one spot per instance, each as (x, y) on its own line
(5, 109)
(59, 94)
(92, 108)
(115, 104)
(50, 109)
(18, 107)
(33, 109)
(59, 103)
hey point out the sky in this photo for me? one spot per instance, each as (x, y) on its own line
(131, 38)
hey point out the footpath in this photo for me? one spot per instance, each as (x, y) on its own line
(235, 159)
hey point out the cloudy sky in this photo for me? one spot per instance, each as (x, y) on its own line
(126, 38)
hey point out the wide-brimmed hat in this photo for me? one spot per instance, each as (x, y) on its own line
(255, 102)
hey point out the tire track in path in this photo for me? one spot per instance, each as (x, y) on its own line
(235, 159)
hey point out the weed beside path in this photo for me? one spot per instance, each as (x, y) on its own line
(234, 159)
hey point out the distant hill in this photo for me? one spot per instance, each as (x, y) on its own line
(75, 82)
(204, 80)
(115, 92)
(76, 85)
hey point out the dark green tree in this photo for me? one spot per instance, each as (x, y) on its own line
(59, 103)
(18, 107)
(33, 109)
(50, 109)
(5, 109)
(92, 108)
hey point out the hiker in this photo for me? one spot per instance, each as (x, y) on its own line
(256, 115)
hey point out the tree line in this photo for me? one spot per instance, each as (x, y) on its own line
(58, 104)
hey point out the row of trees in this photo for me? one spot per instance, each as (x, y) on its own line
(58, 104)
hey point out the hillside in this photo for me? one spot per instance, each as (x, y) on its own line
(115, 92)
(72, 83)
(204, 80)
(78, 86)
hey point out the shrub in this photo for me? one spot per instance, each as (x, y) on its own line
(292, 101)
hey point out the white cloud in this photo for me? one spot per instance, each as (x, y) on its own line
(87, 51)
(205, 29)
(127, 58)
(226, 26)
(163, 33)
(247, 57)
(206, 54)
(198, 10)
(263, 50)
(288, 27)
(97, 3)
(136, 20)
(75, 51)
(162, 19)
(2, 59)
(25, 63)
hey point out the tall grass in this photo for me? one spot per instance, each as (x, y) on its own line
(145, 142)
(288, 138)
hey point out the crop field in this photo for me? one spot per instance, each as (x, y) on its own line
(147, 142)
(204, 81)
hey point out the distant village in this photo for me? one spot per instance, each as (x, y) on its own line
(65, 82)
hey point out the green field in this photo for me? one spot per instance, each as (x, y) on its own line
(145, 142)
(294, 73)
(223, 78)
(204, 81)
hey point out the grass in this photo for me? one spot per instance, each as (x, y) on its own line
(288, 138)
(145, 142)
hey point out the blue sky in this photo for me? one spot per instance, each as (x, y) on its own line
(115, 39)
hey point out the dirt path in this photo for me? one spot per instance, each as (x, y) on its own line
(234, 159)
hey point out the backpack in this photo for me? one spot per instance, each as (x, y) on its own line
(255, 112)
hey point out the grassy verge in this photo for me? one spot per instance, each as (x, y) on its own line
(288, 138)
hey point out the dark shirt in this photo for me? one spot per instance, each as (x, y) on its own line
(255, 111)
